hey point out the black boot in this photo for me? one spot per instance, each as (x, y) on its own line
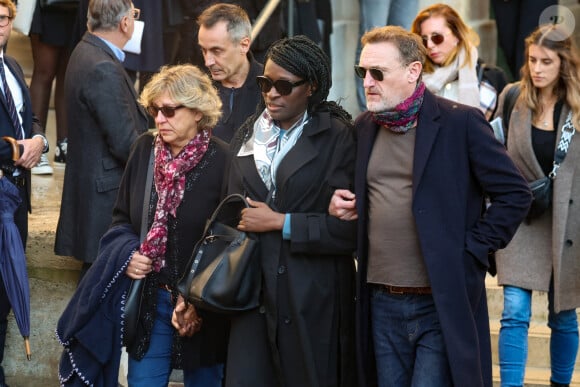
(554, 384)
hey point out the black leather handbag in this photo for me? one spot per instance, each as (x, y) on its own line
(224, 273)
(542, 193)
(134, 297)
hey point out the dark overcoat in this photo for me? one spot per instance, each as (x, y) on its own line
(456, 161)
(31, 127)
(303, 332)
(104, 120)
(203, 191)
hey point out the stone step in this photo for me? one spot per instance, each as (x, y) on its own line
(538, 345)
(535, 377)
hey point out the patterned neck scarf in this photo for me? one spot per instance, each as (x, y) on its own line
(404, 116)
(169, 178)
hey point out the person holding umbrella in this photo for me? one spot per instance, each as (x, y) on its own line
(12, 259)
(17, 121)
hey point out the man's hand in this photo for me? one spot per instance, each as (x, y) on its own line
(33, 148)
(343, 205)
(260, 218)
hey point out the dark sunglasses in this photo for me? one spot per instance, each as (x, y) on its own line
(376, 74)
(436, 38)
(283, 86)
(167, 111)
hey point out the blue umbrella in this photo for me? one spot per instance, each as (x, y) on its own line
(13, 260)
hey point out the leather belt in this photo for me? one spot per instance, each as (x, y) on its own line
(164, 287)
(406, 290)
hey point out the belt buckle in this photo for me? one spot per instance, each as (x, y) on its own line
(393, 290)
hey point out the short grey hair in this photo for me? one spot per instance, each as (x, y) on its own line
(237, 20)
(105, 15)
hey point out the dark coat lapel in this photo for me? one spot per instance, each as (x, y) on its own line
(304, 150)
(427, 129)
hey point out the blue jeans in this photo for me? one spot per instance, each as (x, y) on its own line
(513, 338)
(379, 13)
(408, 342)
(155, 368)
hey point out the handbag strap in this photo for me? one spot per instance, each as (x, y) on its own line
(568, 131)
(147, 197)
(217, 211)
(198, 250)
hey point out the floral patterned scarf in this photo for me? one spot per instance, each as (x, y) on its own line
(169, 178)
(404, 116)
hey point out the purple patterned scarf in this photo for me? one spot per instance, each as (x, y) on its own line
(404, 116)
(169, 177)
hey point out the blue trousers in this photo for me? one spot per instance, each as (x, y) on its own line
(409, 346)
(155, 368)
(513, 338)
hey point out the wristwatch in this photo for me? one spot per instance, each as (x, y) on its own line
(44, 141)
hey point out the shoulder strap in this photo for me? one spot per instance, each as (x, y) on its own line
(147, 197)
(562, 149)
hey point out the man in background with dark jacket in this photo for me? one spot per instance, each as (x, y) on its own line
(104, 120)
(18, 122)
(225, 39)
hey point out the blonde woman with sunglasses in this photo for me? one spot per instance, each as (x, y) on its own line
(450, 69)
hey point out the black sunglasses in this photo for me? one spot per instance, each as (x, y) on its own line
(436, 38)
(376, 74)
(283, 86)
(167, 111)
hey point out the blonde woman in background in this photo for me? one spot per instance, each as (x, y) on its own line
(450, 69)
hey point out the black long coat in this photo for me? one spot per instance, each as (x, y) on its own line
(203, 190)
(104, 119)
(456, 161)
(302, 335)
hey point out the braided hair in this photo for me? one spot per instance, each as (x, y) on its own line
(302, 57)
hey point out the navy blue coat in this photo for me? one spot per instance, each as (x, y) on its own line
(31, 127)
(30, 123)
(456, 161)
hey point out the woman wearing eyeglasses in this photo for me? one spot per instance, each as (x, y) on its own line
(450, 69)
(288, 159)
(543, 255)
(188, 165)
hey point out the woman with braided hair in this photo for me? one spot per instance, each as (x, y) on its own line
(288, 159)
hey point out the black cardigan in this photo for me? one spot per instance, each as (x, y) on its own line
(203, 191)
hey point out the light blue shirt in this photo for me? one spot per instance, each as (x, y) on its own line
(116, 50)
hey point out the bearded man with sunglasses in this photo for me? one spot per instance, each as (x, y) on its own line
(423, 167)
(104, 120)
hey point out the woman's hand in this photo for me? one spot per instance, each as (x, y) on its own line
(343, 205)
(139, 266)
(185, 319)
(260, 218)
